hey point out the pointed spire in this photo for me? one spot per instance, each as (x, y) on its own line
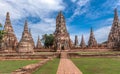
(92, 41)
(60, 13)
(26, 26)
(39, 45)
(8, 26)
(116, 15)
(91, 31)
(8, 19)
(82, 44)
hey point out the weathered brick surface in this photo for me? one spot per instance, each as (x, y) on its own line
(114, 36)
(62, 38)
(29, 69)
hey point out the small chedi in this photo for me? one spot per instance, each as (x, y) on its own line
(25, 44)
(62, 38)
(82, 44)
(76, 41)
(9, 41)
(38, 45)
(92, 43)
(114, 36)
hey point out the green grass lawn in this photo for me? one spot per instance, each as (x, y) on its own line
(7, 66)
(98, 65)
(49, 68)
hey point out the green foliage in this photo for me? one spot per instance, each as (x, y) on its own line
(48, 40)
(7, 66)
(1, 33)
(98, 65)
(49, 68)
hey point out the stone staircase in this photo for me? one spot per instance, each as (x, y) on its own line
(64, 55)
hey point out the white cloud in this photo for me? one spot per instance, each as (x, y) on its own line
(82, 2)
(73, 1)
(79, 10)
(102, 34)
(21, 9)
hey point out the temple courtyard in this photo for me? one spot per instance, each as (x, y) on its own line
(56, 52)
(65, 63)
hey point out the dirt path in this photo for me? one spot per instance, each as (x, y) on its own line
(66, 66)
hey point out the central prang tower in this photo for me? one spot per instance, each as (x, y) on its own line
(62, 39)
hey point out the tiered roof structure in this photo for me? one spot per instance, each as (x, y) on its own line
(92, 43)
(10, 40)
(62, 39)
(114, 35)
(25, 44)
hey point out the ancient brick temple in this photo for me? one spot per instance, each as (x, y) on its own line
(76, 41)
(114, 35)
(62, 40)
(39, 45)
(92, 43)
(25, 44)
(9, 41)
(82, 44)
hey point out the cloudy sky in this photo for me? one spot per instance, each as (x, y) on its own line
(80, 16)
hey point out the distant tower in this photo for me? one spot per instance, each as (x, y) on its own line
(39, 45)
(10, 40)
(62, 39)
(25, 44)
(82, 44)
(31, 39)
(92, 43)
(76, 41)
(114, 35)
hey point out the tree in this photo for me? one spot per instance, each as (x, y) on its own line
(48, 40)
(1, 34)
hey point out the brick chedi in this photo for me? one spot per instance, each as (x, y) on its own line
(92, 43)
(10, 41)
(76, 41)
(62, 40)
(25, 44)
(114, 36)
(39, 45)
(82, 44)
(31, 39)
